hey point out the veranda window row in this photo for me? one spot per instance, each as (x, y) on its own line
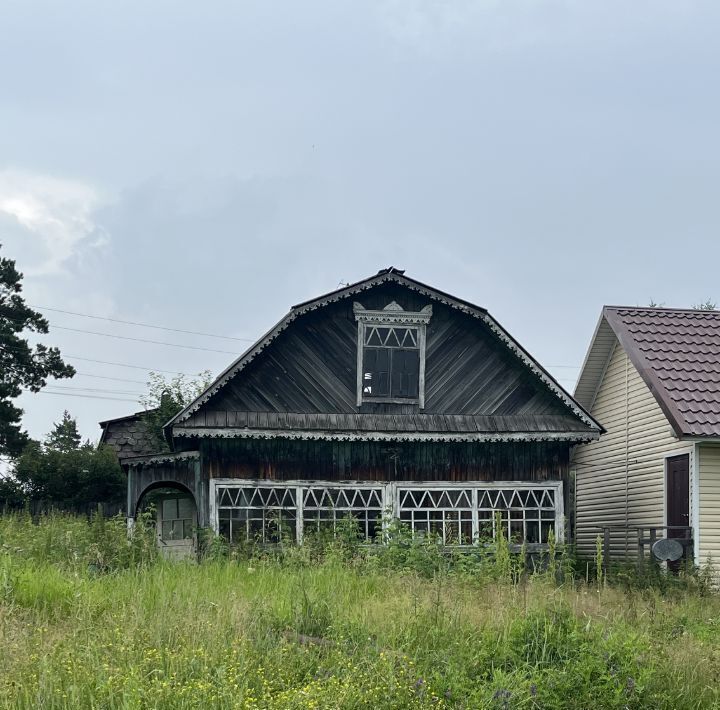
(466, 514)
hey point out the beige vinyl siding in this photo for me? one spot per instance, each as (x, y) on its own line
(709, 503)
(620, 477)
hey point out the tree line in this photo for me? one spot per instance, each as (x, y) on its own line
(62, 468)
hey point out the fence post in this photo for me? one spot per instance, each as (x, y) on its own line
(606, 550)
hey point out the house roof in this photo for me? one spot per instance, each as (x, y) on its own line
(676, 352)
(397, 276)
(128, 435)
(386, 427)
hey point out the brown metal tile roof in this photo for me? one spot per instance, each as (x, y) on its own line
(677, 352)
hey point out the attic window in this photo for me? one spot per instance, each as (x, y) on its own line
(391, 354)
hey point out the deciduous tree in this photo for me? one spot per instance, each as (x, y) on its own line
(166, 397)
(64, 470)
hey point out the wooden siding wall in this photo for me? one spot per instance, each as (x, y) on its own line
(373, 461)
(709, 504)
(620, 477)
(311, 367)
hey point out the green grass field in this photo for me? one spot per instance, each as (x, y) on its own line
(88, 621)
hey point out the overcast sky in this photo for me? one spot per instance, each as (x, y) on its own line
(204, 166)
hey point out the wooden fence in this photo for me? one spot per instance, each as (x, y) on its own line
(45, 507)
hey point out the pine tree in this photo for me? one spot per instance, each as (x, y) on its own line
(65, 435)
(22, 366)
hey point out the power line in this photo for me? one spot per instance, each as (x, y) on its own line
(142, 325)
(123, 364)
(173, 330)
(105, 377)
(88, 396)
(5, 346)
(93, 389)
(144, 340)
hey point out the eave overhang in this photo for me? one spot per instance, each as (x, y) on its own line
(313, 435)
(160, 459)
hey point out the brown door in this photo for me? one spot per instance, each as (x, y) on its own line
(678, 493)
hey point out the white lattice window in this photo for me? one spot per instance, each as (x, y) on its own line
(257, 513)
(465, 515)
(459, 514)
(323, 507)
(447, 513)
(525, 514)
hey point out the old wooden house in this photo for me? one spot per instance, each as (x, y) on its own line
(652, 378)
(385, 397)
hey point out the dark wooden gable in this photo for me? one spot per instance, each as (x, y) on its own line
(311, 367)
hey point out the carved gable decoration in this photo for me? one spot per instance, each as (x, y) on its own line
(391, 354)
(394, 349)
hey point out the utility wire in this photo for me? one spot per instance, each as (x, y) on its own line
(105, 377)
(88, 396)
(144, 340)
(142, 325)
(173, 330)
(5, 346)
(124, 364)
(93, 389)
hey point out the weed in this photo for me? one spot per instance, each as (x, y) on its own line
(407, 625)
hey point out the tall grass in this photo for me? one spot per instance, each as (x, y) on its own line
(88, 620)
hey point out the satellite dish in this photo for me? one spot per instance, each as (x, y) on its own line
(668, 549)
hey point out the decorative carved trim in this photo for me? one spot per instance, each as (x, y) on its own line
(212, 433)
(392, 314)
(161, 458)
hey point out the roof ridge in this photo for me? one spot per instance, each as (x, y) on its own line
(663, 309)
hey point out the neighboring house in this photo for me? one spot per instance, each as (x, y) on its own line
(386, 396)
(651, 377)
(129, 436)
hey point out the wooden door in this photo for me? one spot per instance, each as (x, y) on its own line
(176, 525)
(678, 493)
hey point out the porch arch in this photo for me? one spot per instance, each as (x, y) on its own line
(180, 471)
(157, 485)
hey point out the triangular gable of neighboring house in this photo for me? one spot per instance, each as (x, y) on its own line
(504, 389)
(676, 352)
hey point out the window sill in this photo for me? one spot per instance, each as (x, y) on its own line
(389, 400)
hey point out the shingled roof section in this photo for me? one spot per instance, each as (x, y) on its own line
(677, 353)
(128, 436)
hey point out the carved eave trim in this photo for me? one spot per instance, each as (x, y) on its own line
(392, 314)
(160, 459)
(249, 355)
(230, 433)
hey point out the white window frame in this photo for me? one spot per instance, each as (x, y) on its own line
(391, 497)
(392, 315)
